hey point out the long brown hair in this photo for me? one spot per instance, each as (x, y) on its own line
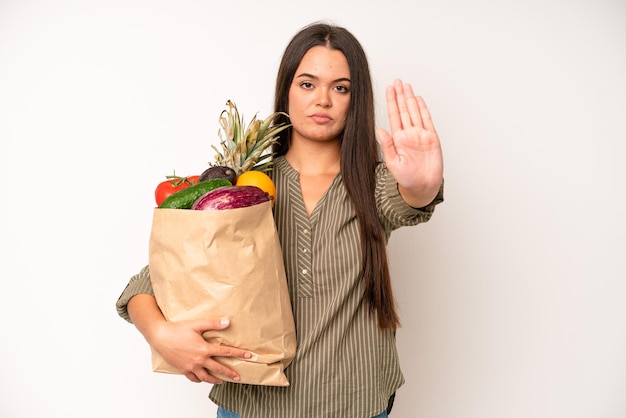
(359, 154)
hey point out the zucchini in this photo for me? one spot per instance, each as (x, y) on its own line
(183, 199)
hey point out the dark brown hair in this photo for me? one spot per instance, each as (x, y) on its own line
(359, 153)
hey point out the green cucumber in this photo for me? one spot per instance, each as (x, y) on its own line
(183, 199)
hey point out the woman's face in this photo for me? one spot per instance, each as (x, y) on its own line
(319, 95)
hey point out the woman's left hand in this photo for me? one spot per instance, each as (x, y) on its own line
(412, 151)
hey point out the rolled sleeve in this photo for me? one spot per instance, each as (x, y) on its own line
(393, 210)
(139, 284)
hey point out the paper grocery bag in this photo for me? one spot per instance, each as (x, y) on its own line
(209, 264)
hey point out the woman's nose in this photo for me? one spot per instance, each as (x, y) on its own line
(323, 98)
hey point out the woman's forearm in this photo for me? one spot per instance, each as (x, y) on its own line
(145, 314)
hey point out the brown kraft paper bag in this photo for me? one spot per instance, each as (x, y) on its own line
(208, 264)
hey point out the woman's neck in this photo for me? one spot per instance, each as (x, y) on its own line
(318, 158)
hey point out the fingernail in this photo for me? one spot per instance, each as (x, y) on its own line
(236, 378)
(247, 355)
(224, 321)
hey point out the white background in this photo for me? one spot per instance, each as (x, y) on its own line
(512, 296)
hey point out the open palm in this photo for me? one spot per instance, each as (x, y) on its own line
(412, 150)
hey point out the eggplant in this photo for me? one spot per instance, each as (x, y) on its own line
(230, 197)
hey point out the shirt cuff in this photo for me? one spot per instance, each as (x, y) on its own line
(404, 209)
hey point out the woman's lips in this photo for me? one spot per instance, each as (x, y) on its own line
(320, 117)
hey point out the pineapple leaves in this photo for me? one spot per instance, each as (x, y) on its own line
(248, 147)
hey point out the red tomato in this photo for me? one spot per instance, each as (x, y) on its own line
(171, 186)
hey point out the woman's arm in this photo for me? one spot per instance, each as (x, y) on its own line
(181, 343)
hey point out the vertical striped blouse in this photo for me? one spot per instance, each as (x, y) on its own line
(345, 366)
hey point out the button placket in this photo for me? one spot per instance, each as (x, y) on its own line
(304, 263)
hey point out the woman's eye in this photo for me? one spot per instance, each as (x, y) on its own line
(342, 89)
(306, 85)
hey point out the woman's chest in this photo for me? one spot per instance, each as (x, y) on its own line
(313, 188)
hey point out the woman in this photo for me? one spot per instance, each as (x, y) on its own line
(335, 209)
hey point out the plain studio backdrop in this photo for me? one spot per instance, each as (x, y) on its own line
(511, 297)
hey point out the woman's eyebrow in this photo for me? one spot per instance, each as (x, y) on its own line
(308, 75)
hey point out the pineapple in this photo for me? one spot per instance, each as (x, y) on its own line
(244, 149)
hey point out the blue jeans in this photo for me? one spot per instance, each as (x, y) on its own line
(222, 413)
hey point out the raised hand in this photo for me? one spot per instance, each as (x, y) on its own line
(412, 150)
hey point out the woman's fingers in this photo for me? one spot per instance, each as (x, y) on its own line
(413, 107)
(193, 377)
(387, 145)
(212, 368)
(403, 107)
(196, 357)
(212, 371)
(203, 375)
(427, 120)
(393, 112)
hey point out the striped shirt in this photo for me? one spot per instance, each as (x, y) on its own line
(345, 366)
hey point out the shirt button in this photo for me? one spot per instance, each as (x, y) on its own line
(304, 271)
(305, 231)
(304, 250)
